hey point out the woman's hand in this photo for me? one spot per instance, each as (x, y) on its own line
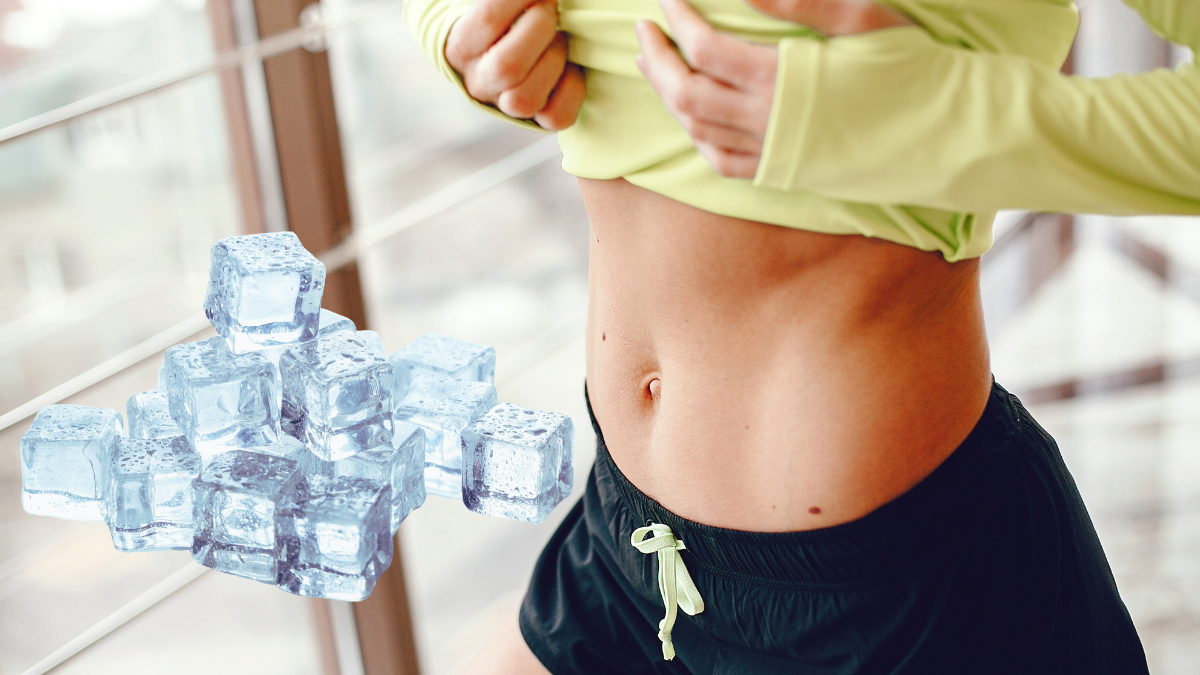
(722, 93)
(510, 54)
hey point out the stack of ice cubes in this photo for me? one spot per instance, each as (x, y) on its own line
(289, 448)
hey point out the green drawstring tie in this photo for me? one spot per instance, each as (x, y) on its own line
(674, 582)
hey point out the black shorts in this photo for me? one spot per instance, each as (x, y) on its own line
(989, 565)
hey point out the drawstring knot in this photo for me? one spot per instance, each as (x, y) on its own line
(674, 582)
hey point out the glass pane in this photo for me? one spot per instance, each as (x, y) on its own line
(105, 225)
(507, 268)
(105, 222)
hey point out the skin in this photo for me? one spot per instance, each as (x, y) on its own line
(511, 55)
(720, 88)
(746, 375)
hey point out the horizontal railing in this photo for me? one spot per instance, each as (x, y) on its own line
(530, 353)
(525, 357)
(343, 254)
(297, 38)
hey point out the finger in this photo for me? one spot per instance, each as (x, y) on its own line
(688, 94)
(739, 64)
(565, 101)
(733, 140)
(526, 99)
(510, 60)
(485, 23)
(729, 164)
(658, 60)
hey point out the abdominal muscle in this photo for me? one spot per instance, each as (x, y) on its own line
(762, 378)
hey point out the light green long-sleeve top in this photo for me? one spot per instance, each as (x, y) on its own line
(625, 130)
(897, 116)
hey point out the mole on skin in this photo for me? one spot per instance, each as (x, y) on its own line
(815, 510)
(603, 337)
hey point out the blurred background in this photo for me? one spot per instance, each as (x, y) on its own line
(452, 221)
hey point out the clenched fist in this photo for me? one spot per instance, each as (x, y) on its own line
(511, 54)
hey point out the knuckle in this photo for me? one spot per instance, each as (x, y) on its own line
(488, 15)
(547, 14)
(553, 122)
(701, 53)
(518, 104)
(455, 52)
(501, 73)
(682, 99)
(476, 90)
(557, 118)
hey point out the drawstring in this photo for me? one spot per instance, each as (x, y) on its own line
(674, 582)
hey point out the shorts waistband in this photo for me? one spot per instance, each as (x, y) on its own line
(909, 529)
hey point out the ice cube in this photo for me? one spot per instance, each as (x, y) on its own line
(65, 457)
(408, 481)
(331, 322)
(222, 400)
(149, 416)
(436, 354)
(402, 466)
(335, 537)
(376, 343)
(337, 395)
(264, 290)
(150, 494)
(234, 504)
(443, 408)
(517, 462)
(287, 448)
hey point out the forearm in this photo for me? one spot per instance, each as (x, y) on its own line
(1039, 30)
(894, 117)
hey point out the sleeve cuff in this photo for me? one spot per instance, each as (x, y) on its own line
(791, 110)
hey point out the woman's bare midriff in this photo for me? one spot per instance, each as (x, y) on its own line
(763, 378)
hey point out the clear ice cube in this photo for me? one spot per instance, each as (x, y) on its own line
(337, 395)
(287, 448)
(264, 290)
(443, 408)
(402, 466)
(517, 462)
(149, 416)
(234, 504)
(150, 494)
(222, 400)
(332, 322)
(436, 354)
(374, 341)
(408, 481)
(335, 537)
(65, 457)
